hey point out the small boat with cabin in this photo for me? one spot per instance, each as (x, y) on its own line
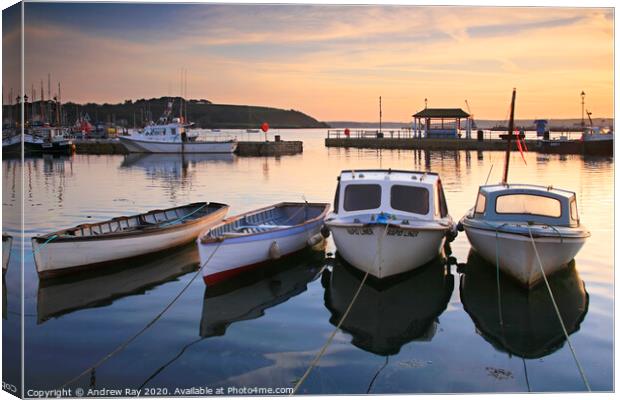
(88, 246)
(499, 228)
(170, 135)
(249, 240)
(386, 222)
(517, 227)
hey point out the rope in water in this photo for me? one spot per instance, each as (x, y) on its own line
(126, 343)
(557, 312)
(317, 358)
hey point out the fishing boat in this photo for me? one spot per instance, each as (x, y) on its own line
(95, 245)
(522, 322)
(171, 135)
(7, 241)
(512, 225)
(251, 239)
(598, 142)
(388, 314)
(386, 222)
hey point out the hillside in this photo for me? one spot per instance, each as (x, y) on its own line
(202, 112)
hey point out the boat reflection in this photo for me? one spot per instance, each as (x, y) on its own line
(249, 295)
(530, 326)
(388, 315)
(172, 165)
(60, 296)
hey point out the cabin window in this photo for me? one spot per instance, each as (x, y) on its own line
(481, 204)
(573, 210)
(173, 131)
(528, 204)
(362, 197)
(411, 199)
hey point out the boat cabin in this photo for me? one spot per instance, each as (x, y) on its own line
(526, 203)
(173, 129)
(407, 194)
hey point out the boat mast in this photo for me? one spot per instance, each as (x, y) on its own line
(511, 127)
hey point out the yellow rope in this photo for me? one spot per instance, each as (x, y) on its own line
(557, 311)
(344, 316)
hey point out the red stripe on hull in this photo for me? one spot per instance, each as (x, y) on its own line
(231, 273)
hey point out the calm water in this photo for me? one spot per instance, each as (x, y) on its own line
(436, 330)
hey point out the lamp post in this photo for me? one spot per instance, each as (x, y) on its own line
(583, 99)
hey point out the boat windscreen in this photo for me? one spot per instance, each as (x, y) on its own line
(528, 204)
(362, 197)
(411, 199)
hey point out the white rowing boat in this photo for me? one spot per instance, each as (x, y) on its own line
(92, 245)
(248, 240)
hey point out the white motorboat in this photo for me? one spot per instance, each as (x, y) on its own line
(387, 222)
(251, 239)
(174, 138)
(597, 141)
(512, 225)
(499, 226)
(170, 135)
(92, 245)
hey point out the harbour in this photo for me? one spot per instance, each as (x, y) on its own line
(268, 335)
(307, 199)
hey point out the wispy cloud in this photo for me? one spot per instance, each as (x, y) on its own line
(330, 61)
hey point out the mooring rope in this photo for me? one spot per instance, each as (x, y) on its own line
(38, 249)
(317, 358)
(185, 216)
(126, 343)
(557, 312)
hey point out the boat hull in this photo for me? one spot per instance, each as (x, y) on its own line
(370, 248)
(517, 256)
(231, 257)
(62, 257)
(7, 242)
(145, 146)
(598, 147)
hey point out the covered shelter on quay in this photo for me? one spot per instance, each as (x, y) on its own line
(441, 123)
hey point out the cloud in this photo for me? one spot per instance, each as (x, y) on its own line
(329, 61)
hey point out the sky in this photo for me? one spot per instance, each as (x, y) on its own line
(331, 62)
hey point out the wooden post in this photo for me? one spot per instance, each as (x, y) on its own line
(511, 126)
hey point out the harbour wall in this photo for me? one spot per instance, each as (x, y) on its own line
(244, 149)
(430, 144)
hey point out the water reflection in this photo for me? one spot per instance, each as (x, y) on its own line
(388, 315)
(249, 296)
(97, 289)
(178, 166)
(530, 326)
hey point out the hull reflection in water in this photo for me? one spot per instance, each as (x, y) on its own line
(61, 296)
(530, 326)
(388, 315)
(172, 164)
(248, 296)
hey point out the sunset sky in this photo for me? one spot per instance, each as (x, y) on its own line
(331, 62)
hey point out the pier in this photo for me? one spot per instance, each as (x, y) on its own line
(407, 139)
(244, 149)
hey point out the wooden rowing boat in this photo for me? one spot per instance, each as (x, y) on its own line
(94, 245)
(251, 239)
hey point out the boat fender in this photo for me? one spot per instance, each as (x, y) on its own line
(325, 231)
(459, 227)
(314, 240)
(274, 251)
